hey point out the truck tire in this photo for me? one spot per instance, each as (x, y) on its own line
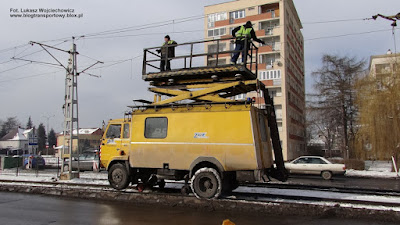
(206, 183)
(327, 175)
(118, 176)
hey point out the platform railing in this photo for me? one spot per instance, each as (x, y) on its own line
(185, 54)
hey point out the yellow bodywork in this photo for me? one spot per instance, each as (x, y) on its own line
(237, 136)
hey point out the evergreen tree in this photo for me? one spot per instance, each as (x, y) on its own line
(29, 124)
(52, 138)
(41, 133)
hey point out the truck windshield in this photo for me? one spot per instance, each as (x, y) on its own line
(114, 131)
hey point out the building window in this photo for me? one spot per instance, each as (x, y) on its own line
(156, 127)
(236, 15)
(217, 32)
(212, 18)
(272, 11)
(213, 48)
(270, 75)
(383, 68)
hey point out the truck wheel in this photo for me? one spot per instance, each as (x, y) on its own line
(206, 183)
(327, 175)
(118, 176)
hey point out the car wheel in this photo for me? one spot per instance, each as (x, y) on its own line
(118, 176)
(206, 183)
(327, 175)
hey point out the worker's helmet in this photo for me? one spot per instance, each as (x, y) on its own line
(249, 24)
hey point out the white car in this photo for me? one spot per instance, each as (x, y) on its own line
(315, 165)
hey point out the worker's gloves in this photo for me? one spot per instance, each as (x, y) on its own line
(262, 42)
(158, 50)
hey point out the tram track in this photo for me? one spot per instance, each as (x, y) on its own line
(256, 195)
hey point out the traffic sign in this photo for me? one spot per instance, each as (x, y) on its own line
(33, 141)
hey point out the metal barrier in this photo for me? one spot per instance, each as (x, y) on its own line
(151, 57)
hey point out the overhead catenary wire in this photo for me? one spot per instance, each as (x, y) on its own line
(333, 21)
(349, 34)
(145, 34)
(14, 68)
(36, 75)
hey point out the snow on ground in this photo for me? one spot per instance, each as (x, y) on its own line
(51, 176)
(371, 174)
(319, 194)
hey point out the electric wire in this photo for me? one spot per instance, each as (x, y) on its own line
(344, 35)
(14, 68)
(333, 21)
(36, 75)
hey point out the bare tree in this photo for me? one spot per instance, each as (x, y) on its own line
(335, 94)
(322, 124)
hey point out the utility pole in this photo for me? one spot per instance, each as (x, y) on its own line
(70, 117)
(70, 108)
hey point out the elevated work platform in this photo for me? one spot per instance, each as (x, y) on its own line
(193, 66)
(201, 75)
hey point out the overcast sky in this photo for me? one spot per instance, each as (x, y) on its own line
(107, 97)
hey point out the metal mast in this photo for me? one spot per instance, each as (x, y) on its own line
(71, 121)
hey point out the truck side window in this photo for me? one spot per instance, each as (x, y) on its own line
(126, 131)
(156, 127)
(114, 131)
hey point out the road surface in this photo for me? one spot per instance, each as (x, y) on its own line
(36, 209)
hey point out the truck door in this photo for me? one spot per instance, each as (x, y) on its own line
(111, 143)
(126, 138)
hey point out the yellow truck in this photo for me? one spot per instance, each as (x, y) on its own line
(199, 133)
(214, 145)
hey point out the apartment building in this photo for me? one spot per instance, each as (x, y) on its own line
(383, 66)
(280, 62)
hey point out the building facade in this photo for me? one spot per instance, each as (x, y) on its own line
(16, 139)
(382, 66)
(89, 138)
(281, 59)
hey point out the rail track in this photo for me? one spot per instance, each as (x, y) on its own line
(256, 195)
